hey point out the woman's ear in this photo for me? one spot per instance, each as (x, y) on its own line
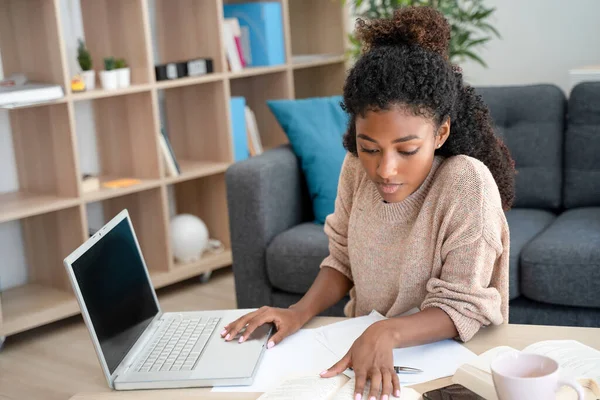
(442, 133)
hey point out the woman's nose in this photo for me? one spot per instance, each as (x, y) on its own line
(387, 167)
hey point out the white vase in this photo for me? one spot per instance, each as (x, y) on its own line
(109, 80)
(89, 78)
(123, 77)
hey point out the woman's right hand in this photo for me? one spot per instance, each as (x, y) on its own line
(286, 320)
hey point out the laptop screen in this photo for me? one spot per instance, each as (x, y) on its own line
(116, 291)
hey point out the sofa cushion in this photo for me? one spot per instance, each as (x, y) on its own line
(524, 225)
(530, 120)
(582, 146)
(315, 127)
(294, 257)
(562, 265)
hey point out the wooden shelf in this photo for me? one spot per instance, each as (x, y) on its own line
(101, 93)
(32, 305)
(124, 126)
(181, 272)
(316, 60)
(197, 169)
(17, 205)
(255, 71)
(194, 80)
(109, 193)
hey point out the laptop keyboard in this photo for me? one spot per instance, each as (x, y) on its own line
(178, 345)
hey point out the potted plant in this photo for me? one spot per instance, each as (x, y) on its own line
(123, 73)
(108, 76)
(469, 21)
(85, 63)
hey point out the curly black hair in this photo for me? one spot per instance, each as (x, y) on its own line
(405, 63)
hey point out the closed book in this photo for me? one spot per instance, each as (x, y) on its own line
(264, 23)
(238, 125)
(29, 93)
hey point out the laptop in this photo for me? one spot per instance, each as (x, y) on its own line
(138, 345)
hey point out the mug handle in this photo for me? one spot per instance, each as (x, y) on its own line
(574, 384)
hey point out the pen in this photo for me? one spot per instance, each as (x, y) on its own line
(400, 370)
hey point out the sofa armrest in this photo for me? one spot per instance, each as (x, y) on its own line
(266, 195)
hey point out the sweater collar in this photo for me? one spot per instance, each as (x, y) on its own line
(407, 209)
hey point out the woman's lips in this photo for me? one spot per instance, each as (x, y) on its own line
(389, 188)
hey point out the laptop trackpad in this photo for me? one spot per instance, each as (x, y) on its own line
(231, 359)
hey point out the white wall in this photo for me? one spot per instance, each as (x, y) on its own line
(541, 40)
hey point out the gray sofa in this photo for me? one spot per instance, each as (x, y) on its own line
(555, 221)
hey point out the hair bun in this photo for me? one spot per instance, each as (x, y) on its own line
(417, 25)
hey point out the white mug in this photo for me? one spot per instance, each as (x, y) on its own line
(520, 376)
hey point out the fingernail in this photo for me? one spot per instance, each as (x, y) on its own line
(227, 337)
(372, 398)
(224, 332)
(358, 396)
(385, 397)
(241, 339)
(323, 373)
(270, 344)
(397, 393)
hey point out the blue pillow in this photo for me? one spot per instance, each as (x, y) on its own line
(315, 129)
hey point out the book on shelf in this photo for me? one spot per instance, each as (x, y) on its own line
(576, 360)
(254, 142)
(171, 164)
(17, 91)
(313, 387)
(232, 41)
(261, 26)
(238, 128)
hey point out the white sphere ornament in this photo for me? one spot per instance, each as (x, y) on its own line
(189, 237)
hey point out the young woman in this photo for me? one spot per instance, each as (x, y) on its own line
(418, 232)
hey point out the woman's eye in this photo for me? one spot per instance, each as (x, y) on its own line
(368, 151)
(409, 153)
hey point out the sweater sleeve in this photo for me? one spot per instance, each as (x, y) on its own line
(466, 288)
(336, 224)
(472, 285)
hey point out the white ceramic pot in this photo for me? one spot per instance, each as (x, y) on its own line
(109, 80)
(89, 78)
(123, 77)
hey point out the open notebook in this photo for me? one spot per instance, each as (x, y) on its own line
(316, 388)
(576, 360)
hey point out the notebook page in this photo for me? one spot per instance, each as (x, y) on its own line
(306, 387)
(347, 392)
(575, 359)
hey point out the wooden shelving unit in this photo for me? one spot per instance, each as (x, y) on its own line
(50, 204)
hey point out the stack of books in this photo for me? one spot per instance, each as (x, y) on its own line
(17, 91)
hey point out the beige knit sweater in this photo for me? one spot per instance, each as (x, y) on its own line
(446, 245)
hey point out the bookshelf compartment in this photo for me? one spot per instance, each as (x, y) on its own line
(321, 81)
(206, 199)
(148, 215)
(315, 27)
(44, 160)
(195, 121)
(117, 139)
(30, 40)
(117, 29)
(47, 294)
(187, 30)
(257, 90)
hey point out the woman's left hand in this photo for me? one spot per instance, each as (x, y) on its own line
(371, 357)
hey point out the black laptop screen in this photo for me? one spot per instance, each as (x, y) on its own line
(116, 291)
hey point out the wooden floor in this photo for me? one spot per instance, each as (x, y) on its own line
(57, 361)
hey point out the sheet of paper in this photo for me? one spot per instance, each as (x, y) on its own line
(306, 387)
(575, 359)
(298, 354)
(437, 360)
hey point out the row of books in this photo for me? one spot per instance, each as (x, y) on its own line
(246, 140)
(253, 35)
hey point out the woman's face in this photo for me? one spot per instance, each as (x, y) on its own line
(396, 150)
